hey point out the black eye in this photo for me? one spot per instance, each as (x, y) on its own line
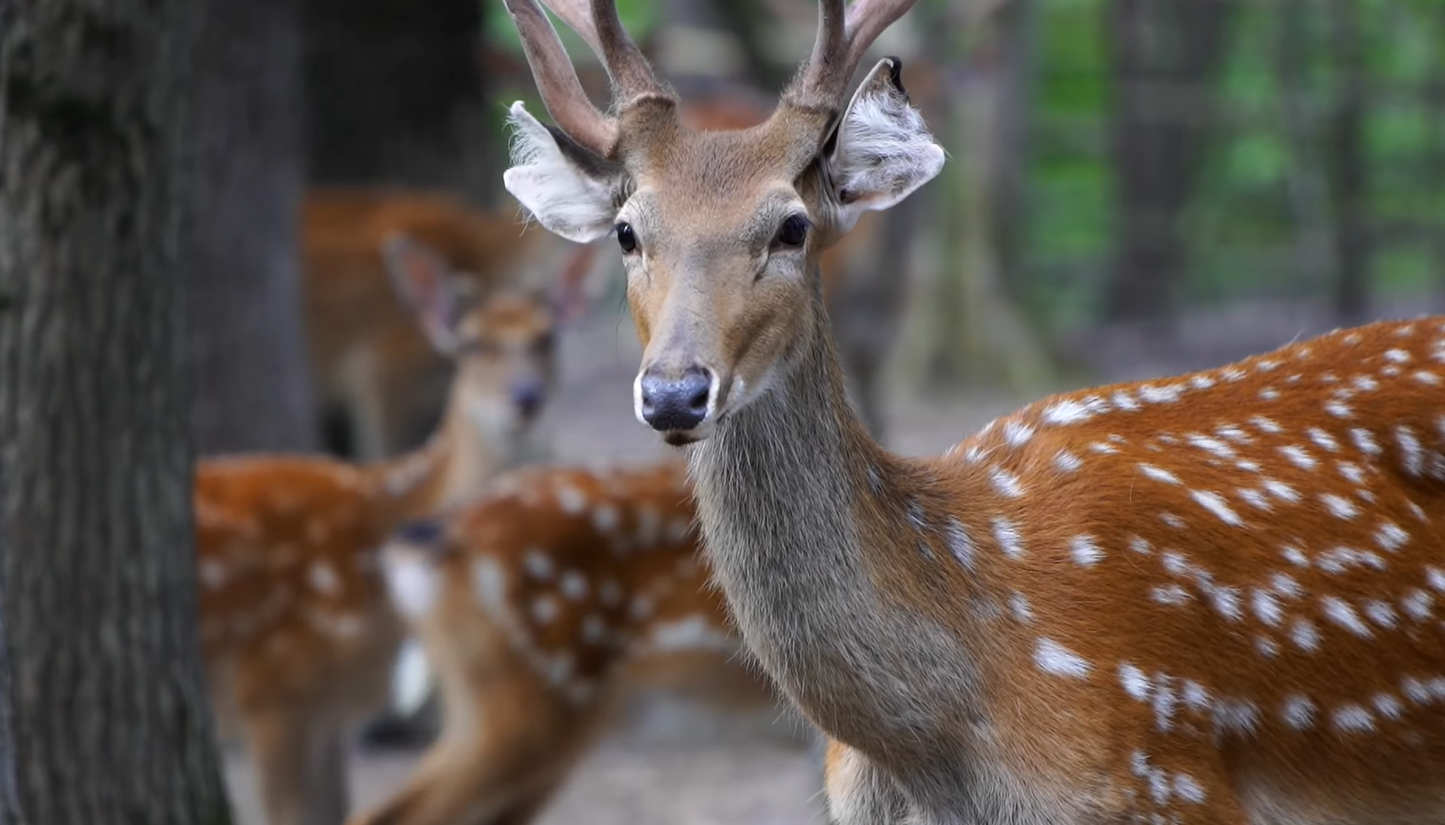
(793, 231)
(626, 238)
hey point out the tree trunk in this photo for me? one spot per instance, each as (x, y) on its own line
(108, 719)
(1346, 164)
(1164, 56)
(252, 381)
(398, 104)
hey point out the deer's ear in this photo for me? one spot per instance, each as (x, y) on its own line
(424, 283)
(571, 191)
(881, 150)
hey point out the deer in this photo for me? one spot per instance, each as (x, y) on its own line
(541, 606)
(372, 366)
(297, 630)
(1203, 599)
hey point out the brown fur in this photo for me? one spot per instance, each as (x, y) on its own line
(611, 556)
(298, 634)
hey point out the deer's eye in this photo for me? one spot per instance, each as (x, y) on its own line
(626, 238)
(794, 231)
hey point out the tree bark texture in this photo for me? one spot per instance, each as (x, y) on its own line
(394, 95)
(1164, 56)
(108, 719)
(253, 390)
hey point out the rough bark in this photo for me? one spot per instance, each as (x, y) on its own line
(1346, 164)
(253, 390)
(1164, 55)
(398, 104)
(107, 715)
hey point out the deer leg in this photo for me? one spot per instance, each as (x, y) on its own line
(299, 766)
(502, 771)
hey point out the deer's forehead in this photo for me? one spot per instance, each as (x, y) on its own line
(731, 172)
(507, 318)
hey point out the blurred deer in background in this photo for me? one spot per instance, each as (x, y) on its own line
(373, 367)
(299, 636)
(1214, 598)
(539, 606)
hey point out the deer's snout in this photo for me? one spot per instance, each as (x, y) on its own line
(677, 402)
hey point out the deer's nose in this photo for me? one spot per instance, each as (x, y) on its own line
(675, 403)
(528, 395)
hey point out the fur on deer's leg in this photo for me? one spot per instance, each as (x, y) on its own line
(503, 749)
(300, 766)
(858, 792)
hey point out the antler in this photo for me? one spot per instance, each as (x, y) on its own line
(596, 21)
(843, 37)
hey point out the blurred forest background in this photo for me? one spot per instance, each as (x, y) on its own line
(1135, 187)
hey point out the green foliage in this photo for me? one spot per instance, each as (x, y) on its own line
(1244, 226)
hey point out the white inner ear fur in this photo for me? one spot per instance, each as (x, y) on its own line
(884, 150)
(564, 199)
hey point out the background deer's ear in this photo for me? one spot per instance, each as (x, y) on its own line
(571, 191)
(423, 282)
(881, 150)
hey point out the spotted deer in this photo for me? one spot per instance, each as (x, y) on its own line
(298, 633)
(540, 605)
(373, 368)
(1211, 598)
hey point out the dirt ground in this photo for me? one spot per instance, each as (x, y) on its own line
(677, 763)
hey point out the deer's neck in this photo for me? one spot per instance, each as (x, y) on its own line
(800, 511)
(454, 465)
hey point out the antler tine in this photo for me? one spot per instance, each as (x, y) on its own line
(843, 37)
(629, 68)
(866, 20)
(818, 76)
(557, 80)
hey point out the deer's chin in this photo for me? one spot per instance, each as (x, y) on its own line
(682, 438)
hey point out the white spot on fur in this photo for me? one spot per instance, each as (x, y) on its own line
(1006, 483)
(1299, 457)
(538, 564)
(1134, 681)
(604, 518)
(1391, 537)
(1052, 657)
(1352, 718)
(1412, 455)
(1305, 635)
(1267, 608)
(1021, 608)
(1381, 613)
(1339, 507)
(545, 609)
(1281, 491)
(1067, 462)
(1299, 712)
(1215, 503)
(1365, 441)
(1388, 706)
(1266, 425)
(1085, 551)
(571, 499)
(1171, 594)
(960, 544)
(490, 583)
(323, 579)
(573, 586)
(1418, 604)
(1159, 474)
(1188, 788)
(1341, 613)
(1009, 540)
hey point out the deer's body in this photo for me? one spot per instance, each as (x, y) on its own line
(369, 361)
(539, 605)
(1216, 598)
(298, 633)
(1204, 600)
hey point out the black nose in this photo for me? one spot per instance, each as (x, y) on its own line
(679, 404)
(528, 397)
